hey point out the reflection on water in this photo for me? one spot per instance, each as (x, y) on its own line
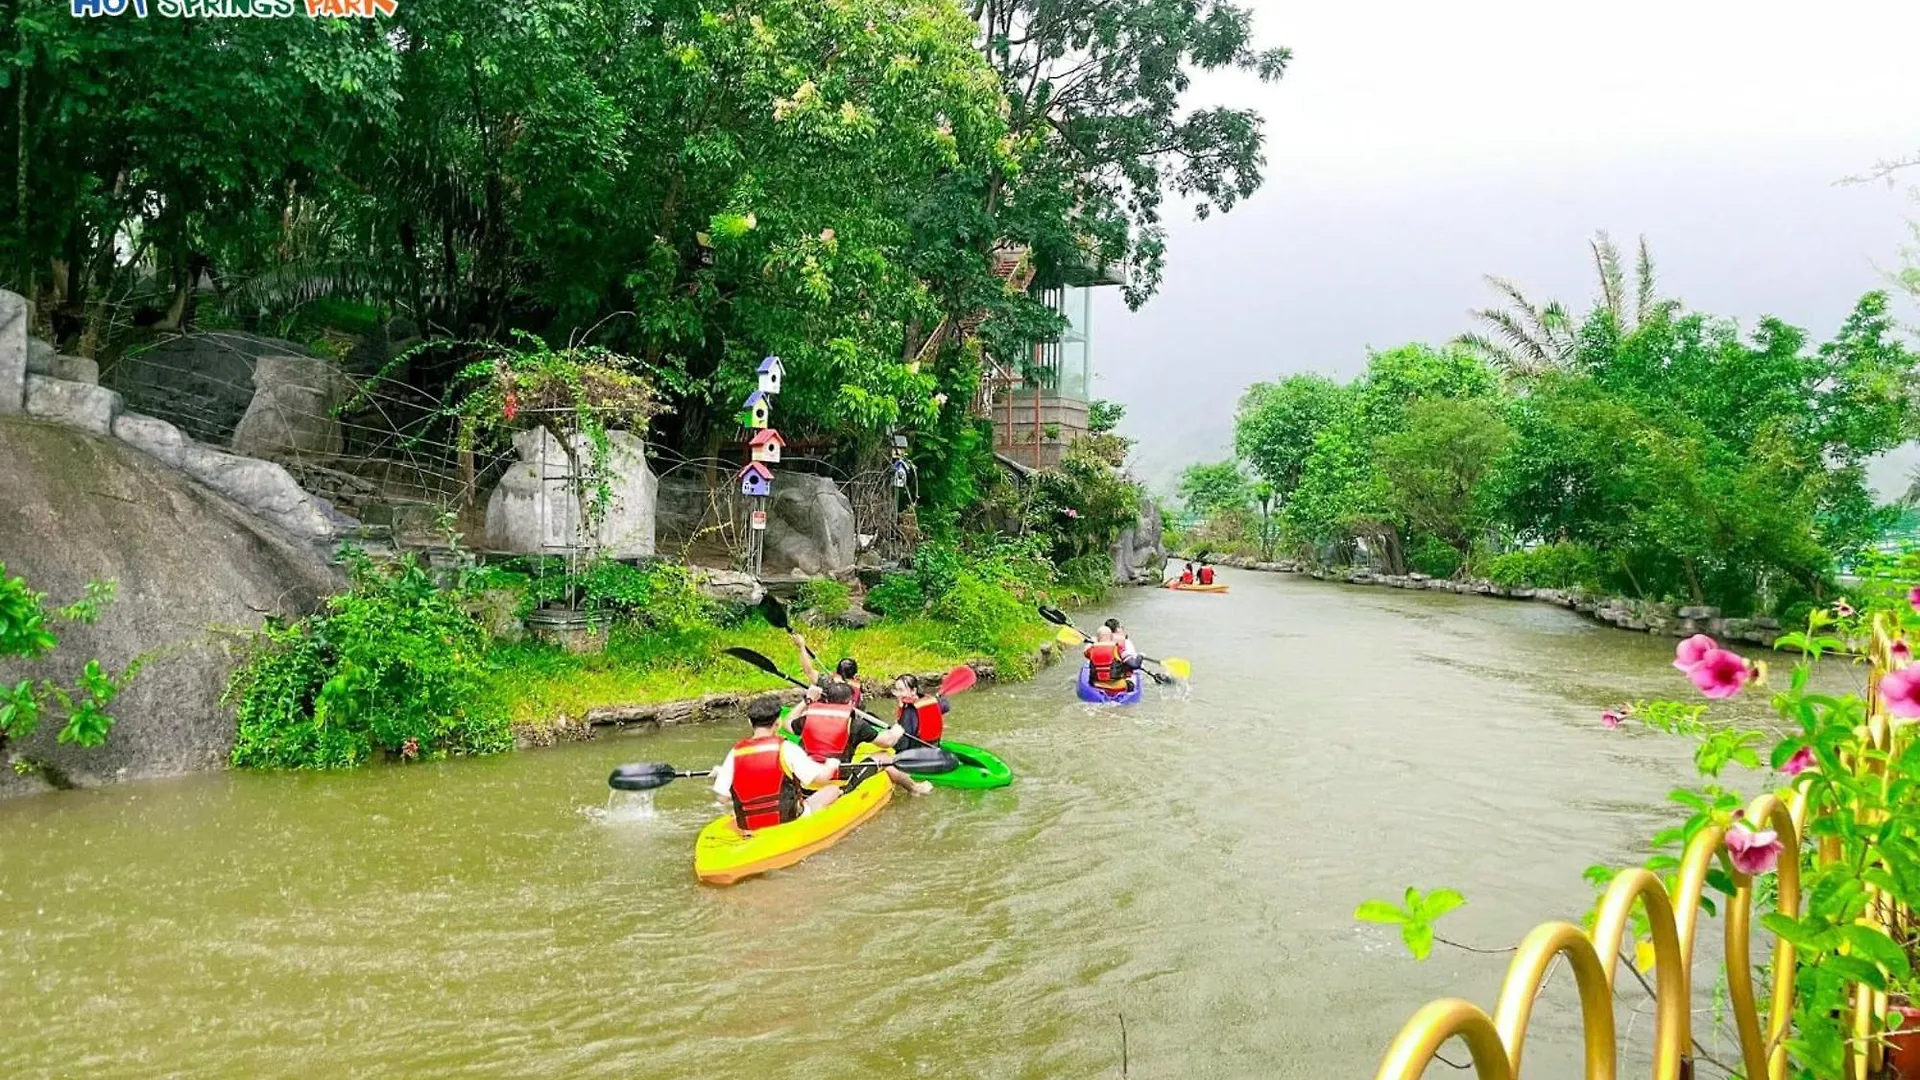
(1191, 863)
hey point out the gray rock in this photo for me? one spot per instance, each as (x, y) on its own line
(82, 405)
(260, 486)
(155, 436)
(1139, 555)
(292, 413)
(1766, 622)
(1520, 593)
(854, 618)
(13, 352)
(1699, 612)
(187, 564)
(809, 527)
(202, 383)
(731, 587)
(40, 357)
(534, 509)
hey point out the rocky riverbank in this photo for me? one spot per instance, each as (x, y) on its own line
(1639, 616)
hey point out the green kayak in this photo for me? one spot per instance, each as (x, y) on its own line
(978, 769)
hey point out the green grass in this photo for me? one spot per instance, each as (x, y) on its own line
(544, 683)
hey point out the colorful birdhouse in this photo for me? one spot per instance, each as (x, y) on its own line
(771, 372)
(753, 414)
(899, 471)
(756, 480)
(765, 446)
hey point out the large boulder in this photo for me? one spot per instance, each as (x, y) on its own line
(202, 383)
(75, 404)
(14, 316)
(809, 527)
(263, 487)
(1140, 556)
(191, 569)
(533, 509)
(292, 413)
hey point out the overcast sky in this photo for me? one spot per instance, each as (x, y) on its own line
(1415, 146)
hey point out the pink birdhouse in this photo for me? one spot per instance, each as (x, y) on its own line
(766, 445)
(756, 480)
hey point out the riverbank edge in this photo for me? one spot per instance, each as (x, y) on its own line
(622, 719)
(1619, 612)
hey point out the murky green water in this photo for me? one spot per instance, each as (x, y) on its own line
(1191, 865)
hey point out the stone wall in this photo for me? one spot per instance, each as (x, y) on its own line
(1638, 616)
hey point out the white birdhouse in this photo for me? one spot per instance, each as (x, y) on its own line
(771, 372)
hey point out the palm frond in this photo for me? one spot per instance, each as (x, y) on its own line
(1523, 343)
(1606, 261)
(1494, 353)
(1646, 300)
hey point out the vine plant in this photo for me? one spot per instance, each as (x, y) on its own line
(27, 631)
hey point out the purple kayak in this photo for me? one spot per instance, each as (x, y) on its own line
(1094, 695)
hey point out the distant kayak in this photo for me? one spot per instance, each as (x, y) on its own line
(1094, 695)
(1216, 587)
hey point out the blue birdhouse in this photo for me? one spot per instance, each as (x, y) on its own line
(771, 372)
(753, 414)
(756, 480)
(899, 471)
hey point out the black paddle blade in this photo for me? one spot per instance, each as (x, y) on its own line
(925, 761)
(756, 659)
(641, 776)
(1054, 615)
(775, 612)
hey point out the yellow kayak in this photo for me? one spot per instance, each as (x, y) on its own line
(1216, 587)
(723, 854)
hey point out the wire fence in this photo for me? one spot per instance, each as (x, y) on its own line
(386, 454)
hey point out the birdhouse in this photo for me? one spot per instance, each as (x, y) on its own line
(753, 414)
(765, 446)
(899, 471)
(771, 372)
(756, 480)
(899, 447)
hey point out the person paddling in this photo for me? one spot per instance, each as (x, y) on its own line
(1128, 650)
(830, 729)
(847, 670)
(1206, 574)
(1186, 576)
(767, 778)
(1108, 669)
(922, 716)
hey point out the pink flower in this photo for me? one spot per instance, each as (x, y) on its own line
(1693, 650)
(1610, 719)
(1753, 852)
(826, 236)
(1071, 512)
(1722, 674)
(1800, 762)
(1913, 597)
(1900, 690)
(1901, 651)
(1842, 608)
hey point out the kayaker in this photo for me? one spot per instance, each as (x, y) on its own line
(847, 670)
(1206, 574)
(1107, 668)
(1186, 576)
(830, 728)
(922, 715)
(1128, 650)
(767, 778)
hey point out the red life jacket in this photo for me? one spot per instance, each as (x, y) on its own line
(1103, 666)
(923, 719)
(763, 793)
(1186, 577)
(827, 731)
(1206, 575)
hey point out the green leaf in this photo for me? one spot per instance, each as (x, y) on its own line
(1856, 970)
(1871, 944)
(1419, 939)
(1379, 911)
(1438, 903)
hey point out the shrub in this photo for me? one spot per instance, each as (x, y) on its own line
(825, 598)
(897, 596)
(1434, 558)
(393, 666)
(662, 595)
(27, 631)
(1549, 566)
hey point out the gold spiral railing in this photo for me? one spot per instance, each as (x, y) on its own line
(1496, 1042)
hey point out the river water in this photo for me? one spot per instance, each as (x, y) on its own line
(1187, 868)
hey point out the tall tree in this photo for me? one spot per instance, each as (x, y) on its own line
(1277, 423)
(1096, 90)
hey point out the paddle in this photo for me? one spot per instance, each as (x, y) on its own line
(1176, 667)
(955, 679)
(648, 775)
